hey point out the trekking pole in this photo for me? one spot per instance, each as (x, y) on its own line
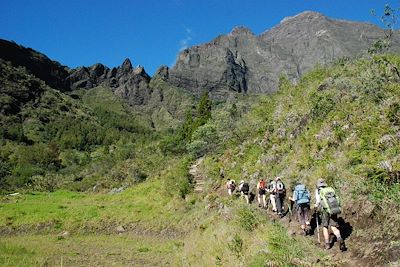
(290, 212)
(316, 218)
(269, 205)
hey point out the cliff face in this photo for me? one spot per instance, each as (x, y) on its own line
(239, 62)
(244, 62)
(127, 82)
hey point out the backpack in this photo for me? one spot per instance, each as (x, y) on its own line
(302, 194)
(271, 186)
(330, 201)
(245, 187)
(262, 185)
(280, 187)
(232, 185)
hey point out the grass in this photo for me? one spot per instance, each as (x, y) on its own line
(142, 205)
(88, 250)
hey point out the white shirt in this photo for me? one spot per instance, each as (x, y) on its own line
(317, 198)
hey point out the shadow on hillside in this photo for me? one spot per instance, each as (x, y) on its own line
(345, 227)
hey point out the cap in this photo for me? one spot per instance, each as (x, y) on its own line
(242, 182)
(277, 178)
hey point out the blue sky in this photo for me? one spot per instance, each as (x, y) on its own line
(149, 32)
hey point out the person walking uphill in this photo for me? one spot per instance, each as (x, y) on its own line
(301, 197)
(280, 193)
(271, 190)
(230, 185)
(244, 189)
(328, 203)
(261, 186)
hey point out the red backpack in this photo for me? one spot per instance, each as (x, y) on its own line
(262, 185)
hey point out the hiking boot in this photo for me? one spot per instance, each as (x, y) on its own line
(342, 245)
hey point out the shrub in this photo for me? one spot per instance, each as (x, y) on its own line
(236, 245)
(204, 140)
(247, 218)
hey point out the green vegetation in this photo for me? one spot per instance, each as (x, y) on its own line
(51, 139)
(64, 154)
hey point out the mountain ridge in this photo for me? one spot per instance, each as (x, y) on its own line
(239, 61)
(244, 62)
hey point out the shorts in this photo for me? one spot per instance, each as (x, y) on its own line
(261, 191)
(329, 220)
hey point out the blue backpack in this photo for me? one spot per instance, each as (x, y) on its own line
(302, 194)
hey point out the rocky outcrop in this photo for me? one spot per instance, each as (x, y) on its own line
(162, 73)
(243, 62)
(127, 82)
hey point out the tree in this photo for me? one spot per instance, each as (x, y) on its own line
(389, 20)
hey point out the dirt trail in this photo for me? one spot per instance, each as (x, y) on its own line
(338, 258)
(198, 177)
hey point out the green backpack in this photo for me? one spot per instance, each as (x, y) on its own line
(330, 201)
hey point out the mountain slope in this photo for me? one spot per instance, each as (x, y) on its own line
(340, 123)
(244, 62)
(38, 64)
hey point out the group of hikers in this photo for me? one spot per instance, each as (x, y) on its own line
(326, 207)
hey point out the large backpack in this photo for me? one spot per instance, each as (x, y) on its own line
(271, 186)
(262, 185)
(280, 187)
(245, 187)
(302, 194)
(330, 201)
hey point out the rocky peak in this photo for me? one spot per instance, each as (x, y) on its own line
(162, 72)
(243, 62)
(139, 70)
(304, 16)
(126, 66)
(97, 70)
(240, 30)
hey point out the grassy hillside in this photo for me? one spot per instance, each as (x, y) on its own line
(340, 122)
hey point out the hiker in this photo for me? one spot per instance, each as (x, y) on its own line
(230, 185)
(244, 190)
(271, 190)
(301, 197)
(280, 193)
(328, 203)
(261, 186)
